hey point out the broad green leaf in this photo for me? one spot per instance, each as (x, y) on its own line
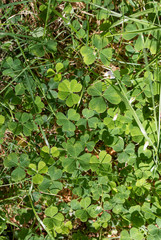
(118, 145)
(24, 160)
(59, 67)
(87, 113)
(42, 168)
(55, 173)
(139, 44)
(84, 161)
(105, 56)
(51, 45)
(45, 149)
(75, 205)
(74, 150)
(63, 121)
(25, 117)
(125, 235)
(66, 92)
(136, 134)
(50, 72)
(105, 217)
(72, 99)
(32, 168)
(112, 96)
(81, 33)
(19, 89)
(95, 90)
(18, 174)
(38, 32)
(73, 115)
(158, 221)
(144, 153)
(37, 179)
(64, 88)
(69, 164)
(135, 234)
(130, 28)
(98, 104)
(94, 163)
(57, 77)
(88, 55)
(123, 157)
(104, 157)
(11, 160)
(38, 102)
(75, 86)
(2, 119)
(94, 210)
(55, 152)
(58, 219)
(38, 50)
(85, 202)
(49, 223)
(99, 42)
(82, 215)
(51, 211)
(76, 24)
(137, 219)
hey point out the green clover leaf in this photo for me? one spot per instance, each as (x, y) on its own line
(97, 102)
(40, 169)
(67, 91)
(53, 219)
(20, 164)
(88, 55)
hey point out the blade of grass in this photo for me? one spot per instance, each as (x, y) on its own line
(18, 36)
(150, 84)
(13, 4)
(36, 215)
(47, 17)
(159, 115)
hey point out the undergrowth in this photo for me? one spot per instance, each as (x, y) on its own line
(80, 110)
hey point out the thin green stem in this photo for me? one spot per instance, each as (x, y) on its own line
(151, 86)
(36, 215)
(47, 17)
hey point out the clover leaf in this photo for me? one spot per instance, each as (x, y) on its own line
(82, 213)
(134, 234)
(97, 102)
(12, 67)
(105, 56)
(53, 219)
(37, 171)
(52, 184)
(88, 55)
(54, 151)
(2, 119)
(99, 42)
(67, 91)
(66, 121)
(20, 164)
(84, 140)
(112, 95)
(89, 120)
(101, 164)
(74, 158)
(25, 123)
